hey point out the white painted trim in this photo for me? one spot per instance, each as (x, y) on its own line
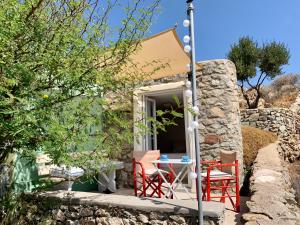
(189, 137)
(154, 115)
(139, 108)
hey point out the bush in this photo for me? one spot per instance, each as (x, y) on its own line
(285, 81)
(253, 140)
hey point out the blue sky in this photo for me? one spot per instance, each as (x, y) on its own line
(219, 23)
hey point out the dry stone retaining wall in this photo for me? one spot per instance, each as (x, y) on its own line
(273, 200)
(278, 120)
(70, 208)
(284, 122)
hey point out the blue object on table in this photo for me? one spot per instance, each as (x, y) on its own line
(185, 158)
(164, 158)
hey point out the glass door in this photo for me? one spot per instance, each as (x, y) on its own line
(151, 135)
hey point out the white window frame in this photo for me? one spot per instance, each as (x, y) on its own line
(139, 108)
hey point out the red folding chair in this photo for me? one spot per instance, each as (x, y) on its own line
(147, 181)
(221, 179)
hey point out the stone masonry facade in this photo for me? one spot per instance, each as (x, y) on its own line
(219, 107)
(219, 118)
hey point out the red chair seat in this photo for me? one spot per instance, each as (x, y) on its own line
(147, 181)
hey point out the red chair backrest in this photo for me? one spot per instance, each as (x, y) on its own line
(228, 157)
(145, 158)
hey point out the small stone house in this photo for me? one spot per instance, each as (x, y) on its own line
(217, 93)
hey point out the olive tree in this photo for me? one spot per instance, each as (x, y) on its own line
(255, 64)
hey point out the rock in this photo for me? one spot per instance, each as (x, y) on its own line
(74, 208)
(142, 218)
(211, 139)
(253, 117)
(72, 215)
(129, 222)
(59, 215)
(128, 215)
(156, 216)
(102, 221)
(71, 222)
(64, 207)
(217, 112)
(115, 221)
(102, 213)
(87, 211)
(158, 222)
(88, 221)
(178, 219)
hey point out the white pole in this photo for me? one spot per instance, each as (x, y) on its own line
(190, 12)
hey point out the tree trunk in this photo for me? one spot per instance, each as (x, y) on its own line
(258, 96)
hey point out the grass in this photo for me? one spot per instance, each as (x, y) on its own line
(253, 140)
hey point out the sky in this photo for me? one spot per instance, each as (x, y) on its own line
(220, 23)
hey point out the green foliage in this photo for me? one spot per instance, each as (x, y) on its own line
(245, 55)
(64, 88)
(273, 56)
(251, 59)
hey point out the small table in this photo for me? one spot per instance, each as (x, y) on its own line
(178, 177)
(107, 175)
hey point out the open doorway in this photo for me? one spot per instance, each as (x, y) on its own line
(172, 141)
(175, 141)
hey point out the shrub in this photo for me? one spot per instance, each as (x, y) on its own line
(285, 81)
(253, 140)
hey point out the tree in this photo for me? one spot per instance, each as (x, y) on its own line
(252, 61)
(59, 62)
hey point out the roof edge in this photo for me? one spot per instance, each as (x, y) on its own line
(158, 34)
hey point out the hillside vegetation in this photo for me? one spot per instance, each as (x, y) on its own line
(281, 93)
(253, 140)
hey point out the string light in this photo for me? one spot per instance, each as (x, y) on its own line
(187, 48)
(190, 129)
(186, 39)
(188, 84)
(195, 110)
(195, 124)
(188, 93)
(186, 23)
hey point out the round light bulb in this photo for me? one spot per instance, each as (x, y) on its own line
(186, 39)
(186, 23)
(188, 84)
(193, 175)
(195, 124)
(187, 48)
(195, 110)
(190, 129)
(188, 93)
(188, 67)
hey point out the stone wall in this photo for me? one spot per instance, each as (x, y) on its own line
(278, 120)
(219, 106)
(284, 122)
(79, 208)
(273, 200)
(219, 118)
